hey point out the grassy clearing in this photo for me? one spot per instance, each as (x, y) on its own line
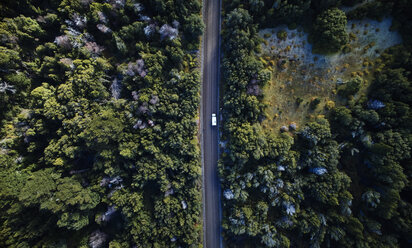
(299, 77)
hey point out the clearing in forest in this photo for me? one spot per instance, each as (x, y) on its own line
(299, 77)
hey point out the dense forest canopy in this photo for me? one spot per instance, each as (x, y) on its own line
(98, 108)
(340, 180)
(99, 103)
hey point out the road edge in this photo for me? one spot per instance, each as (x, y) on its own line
(202, 52)
(219, 120)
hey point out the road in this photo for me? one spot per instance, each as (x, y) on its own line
(210, 104)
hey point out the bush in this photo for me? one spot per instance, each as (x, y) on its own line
(314, 103)
(282, 35)
(351, 88)
(330, 105)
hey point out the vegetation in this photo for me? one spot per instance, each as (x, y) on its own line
(341, 180)
(98, 108)
(351, 88)
(98, 126)
(330, 30)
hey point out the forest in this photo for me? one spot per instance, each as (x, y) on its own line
(98, 115)
(99, 126)
(343, 179)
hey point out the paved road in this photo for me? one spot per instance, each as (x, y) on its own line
(210, 100)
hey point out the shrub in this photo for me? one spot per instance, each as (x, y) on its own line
(351, 88)
(282, 35)
(330, 105)
(314, 103)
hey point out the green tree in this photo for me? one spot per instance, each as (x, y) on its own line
(329, 31)
(290, 11)
(351, 87)
(193, 27)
